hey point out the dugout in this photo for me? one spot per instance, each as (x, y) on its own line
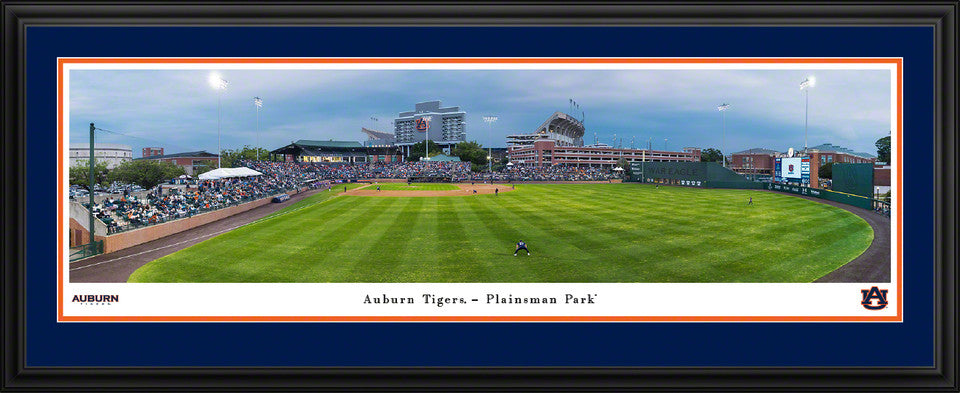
(689, 174)
(856, 179)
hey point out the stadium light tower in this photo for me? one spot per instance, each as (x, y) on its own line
(426, 141)
(805, 86)
(490, 120)
(259, 104)
(723, 138)
(220, 85)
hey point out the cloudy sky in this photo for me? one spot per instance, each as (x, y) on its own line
(177, 109)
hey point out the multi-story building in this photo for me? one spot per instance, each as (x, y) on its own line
(559, 140)
(827, 153)
(445, 126)
(757, 163)
(151, 151)
(112, 153)
(560, 127)
(548, 152)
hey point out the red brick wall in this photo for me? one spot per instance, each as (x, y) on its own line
(881, 176)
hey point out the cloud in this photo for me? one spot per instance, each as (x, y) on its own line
(177, 108)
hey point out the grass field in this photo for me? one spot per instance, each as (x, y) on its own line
(577, 233)
(414, 187)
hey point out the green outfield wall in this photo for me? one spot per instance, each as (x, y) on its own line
(856, 179)
(691, 174)
(849, 199)
(713, 175)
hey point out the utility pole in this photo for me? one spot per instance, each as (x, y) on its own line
(258, 103)
(90, 187)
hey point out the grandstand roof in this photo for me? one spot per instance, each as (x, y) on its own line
(201, 153)
(328, 144)
(829, 147)
(757, 150)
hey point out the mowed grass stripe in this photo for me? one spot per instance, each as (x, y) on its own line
(499, 241)
(459, 257)
(225, 258)
(577, 233)
(568, 231)
(345, 247)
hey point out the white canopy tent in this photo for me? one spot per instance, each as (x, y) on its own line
(222, 173)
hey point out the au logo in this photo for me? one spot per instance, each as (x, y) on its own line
(874, 294)
(791, 168)
(422, 125)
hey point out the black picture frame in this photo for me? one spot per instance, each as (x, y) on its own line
(18, 15)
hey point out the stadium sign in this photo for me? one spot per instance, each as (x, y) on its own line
(693, 171)
(422, 124)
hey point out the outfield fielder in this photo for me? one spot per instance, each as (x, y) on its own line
(521, 246)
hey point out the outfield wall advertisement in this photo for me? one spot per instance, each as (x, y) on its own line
(498, 224)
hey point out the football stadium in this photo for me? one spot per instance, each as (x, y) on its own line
(342, 212)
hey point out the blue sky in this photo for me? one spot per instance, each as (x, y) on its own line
(177, 109)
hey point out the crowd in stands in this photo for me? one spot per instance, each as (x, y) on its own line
(162, 204)
(554, 173)
(455, 171)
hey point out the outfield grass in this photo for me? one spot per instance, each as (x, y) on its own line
(577, 233)
(414, 187)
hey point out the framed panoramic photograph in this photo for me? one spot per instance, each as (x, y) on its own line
(465, 196)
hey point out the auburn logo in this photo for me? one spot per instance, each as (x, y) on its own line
(791, 168)
(422, 125)
(874, 298)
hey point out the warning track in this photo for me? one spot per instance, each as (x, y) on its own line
(874, 264)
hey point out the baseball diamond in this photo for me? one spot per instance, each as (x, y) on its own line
(576, 232)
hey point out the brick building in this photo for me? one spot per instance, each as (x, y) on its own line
(757, 163)
(828, 153)
(546, 152)
(151, 151)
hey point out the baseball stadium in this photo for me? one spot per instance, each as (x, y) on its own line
(343, 212)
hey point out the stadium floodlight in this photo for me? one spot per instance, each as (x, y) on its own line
(426, 136)
(723, 136)
(805, 87)
(490, 120)
(259, 104)
(220, 85)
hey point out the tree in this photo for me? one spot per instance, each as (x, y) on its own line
(472, 152)
(826, 171)
(230, 158)
(623, 163)
(145, 173)
(711, 155)
(417, 150)
(883, 149)
(80, 173)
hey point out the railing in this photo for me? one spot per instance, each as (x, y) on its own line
(86, 250)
